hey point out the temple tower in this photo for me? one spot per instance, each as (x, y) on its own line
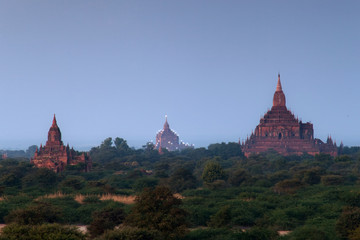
(280, 130)
(55, 156)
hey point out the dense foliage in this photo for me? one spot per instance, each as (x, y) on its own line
(223, 195)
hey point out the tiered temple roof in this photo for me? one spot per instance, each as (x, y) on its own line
(55, 156)
(281, 131)
(168, 139)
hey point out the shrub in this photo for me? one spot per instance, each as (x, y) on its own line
(288, 186)
(43, 232)
(158, 209)
(34, 214)
(222, 218)
(332, 180)
(133, 233)
(105, 219)
(212, 172)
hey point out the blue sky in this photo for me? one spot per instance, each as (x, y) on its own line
(115, 68)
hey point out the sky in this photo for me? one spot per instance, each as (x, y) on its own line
(116, 68)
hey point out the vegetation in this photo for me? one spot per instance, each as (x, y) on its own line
(203, 193)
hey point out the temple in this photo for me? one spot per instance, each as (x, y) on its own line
(281, 131)
(55, 156)
(168, 139)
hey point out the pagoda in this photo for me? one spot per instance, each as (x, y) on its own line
(55, 156)
(281, 131)
(168, 139)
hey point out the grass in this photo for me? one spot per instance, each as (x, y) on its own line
(102, 197)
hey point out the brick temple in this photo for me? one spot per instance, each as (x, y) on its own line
(55, 156)
(168, 139)
(281, 131)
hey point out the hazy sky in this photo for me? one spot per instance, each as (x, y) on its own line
(115, 68)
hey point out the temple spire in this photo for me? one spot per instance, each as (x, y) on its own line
(166, 124)
(54, 121)
(278, 87)
(279, 96)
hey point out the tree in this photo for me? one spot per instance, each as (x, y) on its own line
(73, 183)
(213, 171)
(158, 209)
(313, 176)
(34, 214)
(238, 176)
(182, 179)
(222, 218)
(144, 182)
(121, 145)
(40, 177)
(224, 150)
(332, 180)
(288, 186)
(355, 234)
(107, 143)
(105, 219)
(31, 150)
(348, 221)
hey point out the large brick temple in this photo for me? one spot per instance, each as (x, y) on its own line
(281, 131)
(168, 139)
(55, 156)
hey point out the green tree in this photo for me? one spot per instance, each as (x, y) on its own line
(332, 180)
(107, 143)
(308, 233)
(238, 176)
(73, 183)
(355, 234)
(31, 150)
(40, 177)
(224, 150)
(222, 218)
(144, 182)
(182, 179)
(348, 221)
(105, 219)
(34, 214)
(213, 171)
(313, 176)
(288, 186)
(121, 145)
(157, 209)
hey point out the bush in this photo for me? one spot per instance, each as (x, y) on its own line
(72, 183)
(34, 214)
(308, 233)
(214, 234)
(105, 219)
(43, 232)
(145, 182)
(182, 179)
(288, 186)
(348, 221)
(212, 172)
(222, 218)
(133, 233)
(329, 180)
(157, 209)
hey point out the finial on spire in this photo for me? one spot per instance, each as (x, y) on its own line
(278, 87)
(279, 96)
(54, 120)
(166, 124)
